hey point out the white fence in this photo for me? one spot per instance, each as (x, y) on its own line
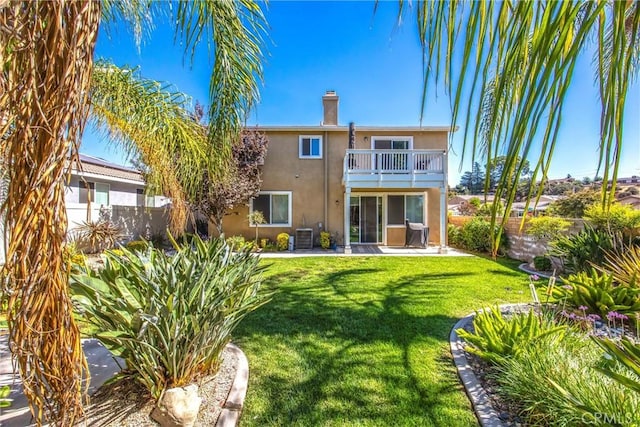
(135, 221)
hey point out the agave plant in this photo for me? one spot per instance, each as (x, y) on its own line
(168, 317)
(580, 251)
(496, 338)
(99, 235)
(624, 265)
(599, 293)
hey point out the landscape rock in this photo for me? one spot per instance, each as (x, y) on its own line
(178, 407)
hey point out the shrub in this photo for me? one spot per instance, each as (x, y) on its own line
(325, 239)
(270, 247)
(282, 241)
(72, 255)
(264, 243)
(453, 234)
(97, 236)
(574, 204)
(542, 263)
(169, 318)
(137, 245)
(579, 251)
(236, 242)
(496, 338)
(554, 382)
(475, 235)
(598, 293)
(616, 218)
(546, 227)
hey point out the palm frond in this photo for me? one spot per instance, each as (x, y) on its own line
(516, 64)
(152, 120)
(236, 29)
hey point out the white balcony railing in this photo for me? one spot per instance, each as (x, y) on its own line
(405, 168)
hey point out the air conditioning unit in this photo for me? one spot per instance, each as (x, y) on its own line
(304, 238)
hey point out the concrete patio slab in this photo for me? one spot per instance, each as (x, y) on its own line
(102, 365)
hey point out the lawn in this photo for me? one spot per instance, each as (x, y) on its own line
(365, 341)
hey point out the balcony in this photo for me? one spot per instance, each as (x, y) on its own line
(394, 169)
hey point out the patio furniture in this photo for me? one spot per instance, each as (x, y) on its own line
(417, 234)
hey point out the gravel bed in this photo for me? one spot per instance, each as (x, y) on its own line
(125, 403)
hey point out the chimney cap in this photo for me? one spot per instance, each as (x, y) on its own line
(330, 93)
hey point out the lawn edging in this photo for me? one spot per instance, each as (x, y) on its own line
(232, 408)
(486, 414)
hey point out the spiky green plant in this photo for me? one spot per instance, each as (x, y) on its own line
(599, 293)
(169, 317)
(554, 382)
(578, 252)
(627, 353)
(496, 338)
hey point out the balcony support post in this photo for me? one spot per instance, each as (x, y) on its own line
(347, 218)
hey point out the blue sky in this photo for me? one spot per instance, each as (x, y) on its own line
(373, 64)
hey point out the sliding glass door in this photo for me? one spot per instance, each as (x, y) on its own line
(366, 219)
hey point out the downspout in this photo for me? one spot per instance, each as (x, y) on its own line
(326, 180)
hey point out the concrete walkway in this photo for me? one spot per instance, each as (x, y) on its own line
(102, 366)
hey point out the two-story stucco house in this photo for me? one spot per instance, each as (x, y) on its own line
(358, 184)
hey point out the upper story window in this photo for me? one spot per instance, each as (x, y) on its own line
(96, 192)
(310, 147)
(275, 207)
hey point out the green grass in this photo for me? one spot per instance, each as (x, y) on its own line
(365, 341)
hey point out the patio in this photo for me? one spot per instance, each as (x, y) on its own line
(359, 250)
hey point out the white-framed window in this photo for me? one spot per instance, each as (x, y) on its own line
(405, 206)
(391, 142)
(275, 207)
(97, 192)
(102, 193)
(310, 147)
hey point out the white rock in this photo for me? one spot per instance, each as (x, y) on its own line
(178, 407)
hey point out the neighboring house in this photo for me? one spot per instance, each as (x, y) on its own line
(634, 179)
(119, 192)
(459, 203)
(518, 208)
(631, 200)
(361, 183)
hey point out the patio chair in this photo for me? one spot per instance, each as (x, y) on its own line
(416, 234)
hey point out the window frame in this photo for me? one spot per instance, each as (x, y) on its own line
(310, 137)
(404, 207)
(95, 192)
(289, 195)
(409, 139)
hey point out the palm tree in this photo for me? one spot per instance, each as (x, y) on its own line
(514, 63)
(152, 122)
(47, 81)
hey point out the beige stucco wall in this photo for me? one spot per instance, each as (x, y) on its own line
(316, 200)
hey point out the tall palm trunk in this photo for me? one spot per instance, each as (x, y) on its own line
(47, 55)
